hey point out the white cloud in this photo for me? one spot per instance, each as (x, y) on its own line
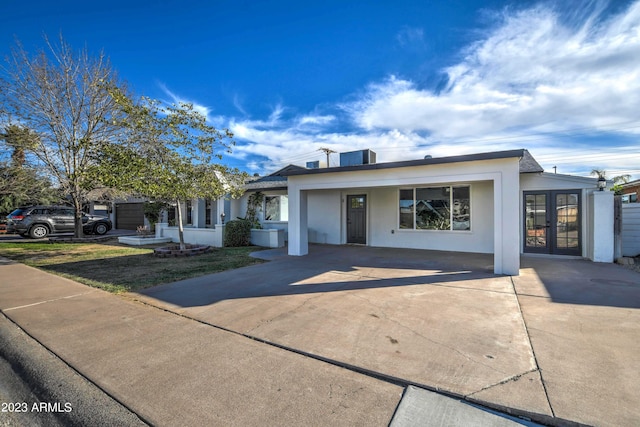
(532, 70)
(539, 79)
(202, 109)
(316, 119)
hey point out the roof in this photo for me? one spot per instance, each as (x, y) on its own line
(631, 183)
(275, 181)
(527, 163)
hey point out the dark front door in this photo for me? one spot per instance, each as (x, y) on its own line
(357, 219)
(552, 222)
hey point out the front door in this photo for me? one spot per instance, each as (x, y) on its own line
(552, 222)
(357, 219)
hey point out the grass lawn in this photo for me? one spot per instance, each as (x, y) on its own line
(120, 268)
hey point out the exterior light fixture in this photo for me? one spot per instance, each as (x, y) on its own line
(222, 218)
(602, 183)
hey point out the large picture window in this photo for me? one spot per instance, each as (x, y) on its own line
(435, 208)
(276, 208)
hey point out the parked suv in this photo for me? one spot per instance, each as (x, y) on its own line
(39, 221)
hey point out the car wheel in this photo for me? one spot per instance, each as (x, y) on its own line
(39, 231)
(100, 229)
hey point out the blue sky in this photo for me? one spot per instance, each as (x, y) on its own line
(403, 78)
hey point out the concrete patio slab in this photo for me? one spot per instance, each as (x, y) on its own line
(584, 323)
(522, 394)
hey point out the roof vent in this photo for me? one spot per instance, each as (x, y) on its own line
(355, 158)
(428, 156)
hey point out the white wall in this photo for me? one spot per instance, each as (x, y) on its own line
(630, 229)
(199, 236)
(601, 248)
(325, 217)
(384, 231)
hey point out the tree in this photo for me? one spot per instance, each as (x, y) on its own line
(20, 183)
(168, 155)
(62, 96)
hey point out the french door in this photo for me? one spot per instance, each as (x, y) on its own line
(552, 222)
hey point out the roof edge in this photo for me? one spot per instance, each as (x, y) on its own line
(493, 155)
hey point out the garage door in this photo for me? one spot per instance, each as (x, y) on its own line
(129, 216)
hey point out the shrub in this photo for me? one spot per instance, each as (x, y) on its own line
(237, 233)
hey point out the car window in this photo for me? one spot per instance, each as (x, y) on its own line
(63, 212)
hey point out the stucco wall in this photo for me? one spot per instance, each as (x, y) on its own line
(384, 231)
(325, 223)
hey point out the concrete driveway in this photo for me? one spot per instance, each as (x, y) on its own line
(559, 342)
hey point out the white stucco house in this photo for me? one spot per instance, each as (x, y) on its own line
(501, 203)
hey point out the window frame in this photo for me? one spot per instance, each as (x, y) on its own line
(414, 212)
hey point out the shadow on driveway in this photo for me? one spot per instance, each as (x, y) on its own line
(329, 269)
(566, 281)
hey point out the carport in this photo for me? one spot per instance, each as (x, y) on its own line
(495, 208)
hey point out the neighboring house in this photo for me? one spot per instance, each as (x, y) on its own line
(125, 212)
(498, 202)
(630, 191)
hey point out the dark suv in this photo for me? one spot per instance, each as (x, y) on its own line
(39, 221)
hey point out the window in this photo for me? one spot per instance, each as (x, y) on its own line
(210, 213)
(630, 198)
(435, 208)
(276, 208)
(62, 212)
(188, 207)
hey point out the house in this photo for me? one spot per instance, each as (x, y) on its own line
(501, 203)
(630, 191)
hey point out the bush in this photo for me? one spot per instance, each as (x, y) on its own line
(237, 233)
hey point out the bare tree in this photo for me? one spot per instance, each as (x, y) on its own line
(61, 95)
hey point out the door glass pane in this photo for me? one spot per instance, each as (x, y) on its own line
(536, 220)
(567, 220)
(357, 202)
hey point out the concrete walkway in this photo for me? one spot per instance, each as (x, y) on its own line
(333, 338)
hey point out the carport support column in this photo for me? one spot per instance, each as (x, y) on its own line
(601, 239)
(506, 220)
(298, 229)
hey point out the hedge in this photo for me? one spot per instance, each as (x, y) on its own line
(237, 233)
